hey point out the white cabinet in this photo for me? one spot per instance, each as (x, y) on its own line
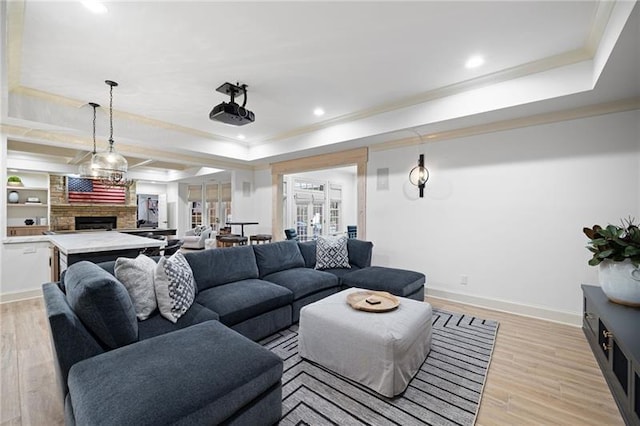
(25, 267)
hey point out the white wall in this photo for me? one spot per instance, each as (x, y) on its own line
(507, 209)
(173, 204)
(242, 206)
(262, 196)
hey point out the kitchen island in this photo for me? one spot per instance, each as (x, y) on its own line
(100, 246)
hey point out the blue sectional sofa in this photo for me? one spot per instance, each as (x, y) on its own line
(206, 367)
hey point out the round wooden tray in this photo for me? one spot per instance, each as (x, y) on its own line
(358, 300)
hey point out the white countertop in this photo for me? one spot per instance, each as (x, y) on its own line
(26, 239)
(101, 241)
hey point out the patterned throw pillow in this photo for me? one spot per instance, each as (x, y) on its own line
(175, 286)
(137, 276)
(331, 253)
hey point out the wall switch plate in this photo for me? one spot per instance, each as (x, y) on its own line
(464, 279)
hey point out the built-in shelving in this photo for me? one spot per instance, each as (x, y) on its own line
(35, 186)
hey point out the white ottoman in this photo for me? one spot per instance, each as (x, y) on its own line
(382, 351)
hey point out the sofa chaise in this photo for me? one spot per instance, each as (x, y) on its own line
(204, 368)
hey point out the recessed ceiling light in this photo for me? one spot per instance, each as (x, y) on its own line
(474, 61)
(241, 136)
(94, 6)
(318, 112)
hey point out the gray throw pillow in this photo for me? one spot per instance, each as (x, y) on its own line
(102, 303)
(137, 276)
(331, 253)
(175, 287)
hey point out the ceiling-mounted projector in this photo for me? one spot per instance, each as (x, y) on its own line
(232, 113)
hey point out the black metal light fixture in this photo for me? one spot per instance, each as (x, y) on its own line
(86, 169)
(419, 175)
(111, 165)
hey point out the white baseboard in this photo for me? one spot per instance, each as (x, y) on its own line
(20, 295)
(509, 307)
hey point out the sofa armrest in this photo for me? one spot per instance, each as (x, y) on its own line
(202, 374)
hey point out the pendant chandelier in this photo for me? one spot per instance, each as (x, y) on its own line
(86, 169)
(110, 166)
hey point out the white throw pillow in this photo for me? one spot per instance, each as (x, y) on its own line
(137, 277)
(331, 253)
(175, 286)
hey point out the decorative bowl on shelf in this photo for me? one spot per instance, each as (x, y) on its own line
(29, 222)
(14, 181)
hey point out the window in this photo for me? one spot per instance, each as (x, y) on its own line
(194, 196)
(212, 197)
(308, 206)
(302, 221)
(209, 203)
(334, 217)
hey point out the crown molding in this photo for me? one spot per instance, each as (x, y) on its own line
(65, 139)
(515, 123)
(545, 64)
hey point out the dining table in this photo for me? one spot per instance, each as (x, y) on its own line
(242, 224)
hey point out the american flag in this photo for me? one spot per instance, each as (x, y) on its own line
(89, 191)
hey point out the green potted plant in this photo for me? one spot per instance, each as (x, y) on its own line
(14, 181)
(616, 251)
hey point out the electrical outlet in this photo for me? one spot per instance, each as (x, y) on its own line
(464, 279)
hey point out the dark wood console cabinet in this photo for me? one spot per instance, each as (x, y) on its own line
(613, 332)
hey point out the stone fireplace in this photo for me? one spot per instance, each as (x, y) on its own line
(63, 215)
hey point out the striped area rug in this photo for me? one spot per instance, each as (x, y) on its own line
(446, 390)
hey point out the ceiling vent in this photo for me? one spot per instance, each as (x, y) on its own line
(232, 113)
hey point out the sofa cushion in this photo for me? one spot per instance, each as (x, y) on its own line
(241, 300)
(308, 251)
(400, 282)
(156, 324)
(137, 276)
(303, 281)
(102, 303)
(278, 256)
(359, 252)
(341, 272)
(191, 376)
(331, 253)
(175, 288)
(216, 267)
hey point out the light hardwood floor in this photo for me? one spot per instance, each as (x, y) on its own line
(541, 372)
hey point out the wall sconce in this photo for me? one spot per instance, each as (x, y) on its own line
(419, 175)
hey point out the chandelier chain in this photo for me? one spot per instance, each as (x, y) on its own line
(94, 127)
(111, 114)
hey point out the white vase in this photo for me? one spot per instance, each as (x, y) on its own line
(620, 281)
(13, 197)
